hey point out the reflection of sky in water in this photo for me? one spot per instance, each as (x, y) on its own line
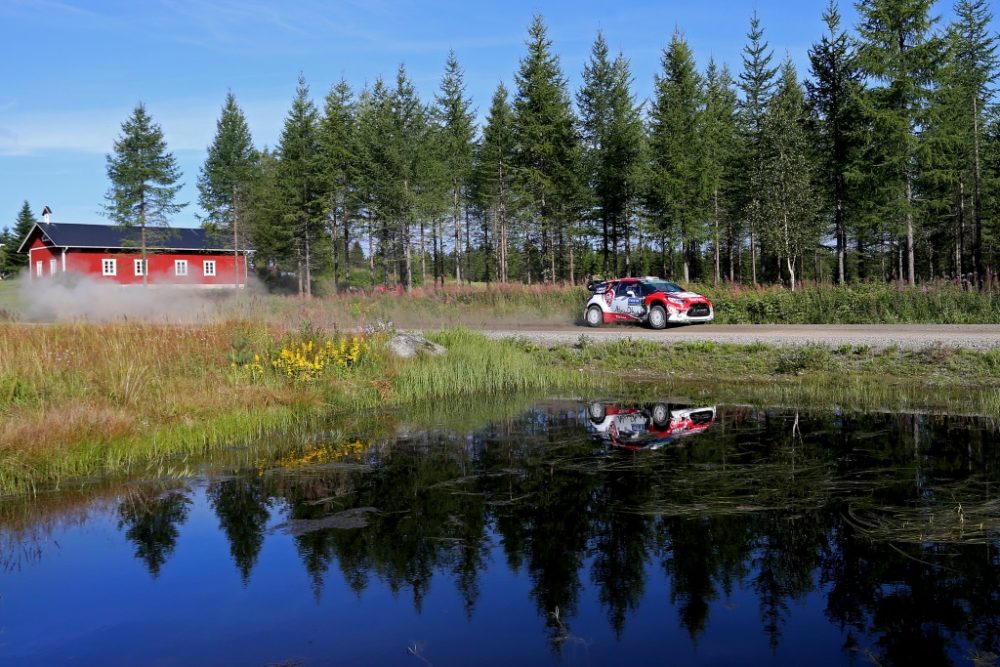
(687, 589)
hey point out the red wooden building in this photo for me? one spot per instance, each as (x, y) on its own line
(175, 256)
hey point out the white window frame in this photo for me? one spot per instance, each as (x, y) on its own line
(109, 266)
(39, 268)
(140, 266)
(208, 267)
(53, 266)
(180, 267)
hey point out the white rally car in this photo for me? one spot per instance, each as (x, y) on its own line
(646, 426)
(648, 300)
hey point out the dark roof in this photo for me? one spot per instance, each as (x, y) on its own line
(73, 235)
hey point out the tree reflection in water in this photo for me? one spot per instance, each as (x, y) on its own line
(768, 501)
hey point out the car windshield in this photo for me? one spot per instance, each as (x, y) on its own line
(663, 286)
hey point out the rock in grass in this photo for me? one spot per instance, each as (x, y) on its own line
(409, 345)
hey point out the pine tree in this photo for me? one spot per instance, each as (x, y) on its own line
(547, 148)
(757, 85)
(300, 181)
(227, 176)
(676, 189)
(494, 175)
(720, 146)
(337, 141)
(787, 189)
(455, 115)
(143, 178)
(833, 91)
(898, 55)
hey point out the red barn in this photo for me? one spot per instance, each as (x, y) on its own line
(175, 256)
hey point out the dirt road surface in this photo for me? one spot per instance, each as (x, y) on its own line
(911, 336)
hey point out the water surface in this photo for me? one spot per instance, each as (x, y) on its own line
(569, 533)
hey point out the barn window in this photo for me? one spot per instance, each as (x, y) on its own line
(180, 267)
(109, 267)
(140, 266)
(53, 267)
(209, 267)
(38, 268)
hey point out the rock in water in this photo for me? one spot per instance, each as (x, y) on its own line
(409, 345)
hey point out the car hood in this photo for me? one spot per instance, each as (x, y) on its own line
(683, 295)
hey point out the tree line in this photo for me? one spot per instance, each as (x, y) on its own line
(883, 163)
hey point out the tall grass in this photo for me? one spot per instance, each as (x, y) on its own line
(476, 365)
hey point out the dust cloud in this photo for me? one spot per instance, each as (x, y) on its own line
(69, 298)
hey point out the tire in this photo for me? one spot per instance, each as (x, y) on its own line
(660, 414)
(594, 317)
(658, 317)
(596, 411)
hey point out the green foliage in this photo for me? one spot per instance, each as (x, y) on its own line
(11, 261)
(300, 182)
(144, 176)
(675, 182)
(857, 303)
(613, 146)
(547, 148)
(229, 169)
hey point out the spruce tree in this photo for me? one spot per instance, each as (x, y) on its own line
(455, 115)
(273, 239)
(611, 129)
(757, 86)
(676, 189)
(975, 63)
(22, 227)
(300, 181)
(409, 128)
(788, 200)
(720, 147)
(337, 142)
(898, 55)
(494, 175)
(227, 176)
(547, 148)
(833, 91)
(143, 179)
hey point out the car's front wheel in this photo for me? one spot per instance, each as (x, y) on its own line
(657, 317)
(661, 415)
(595, 317)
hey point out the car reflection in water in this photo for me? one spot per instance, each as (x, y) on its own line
(649, 426)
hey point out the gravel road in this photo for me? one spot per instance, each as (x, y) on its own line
(913, 336)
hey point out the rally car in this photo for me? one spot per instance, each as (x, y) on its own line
(648, 300)
(646, 427)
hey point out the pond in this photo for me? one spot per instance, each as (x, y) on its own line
(563, 532)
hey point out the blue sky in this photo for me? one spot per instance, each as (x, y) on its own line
(74, 70)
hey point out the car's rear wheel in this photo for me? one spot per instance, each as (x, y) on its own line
(597, 411)
(657, 317)
(595, 317)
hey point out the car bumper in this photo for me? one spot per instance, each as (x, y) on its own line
(684, 318)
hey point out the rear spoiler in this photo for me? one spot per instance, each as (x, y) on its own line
(598, 286)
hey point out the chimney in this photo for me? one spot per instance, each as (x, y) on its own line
(46, 214)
